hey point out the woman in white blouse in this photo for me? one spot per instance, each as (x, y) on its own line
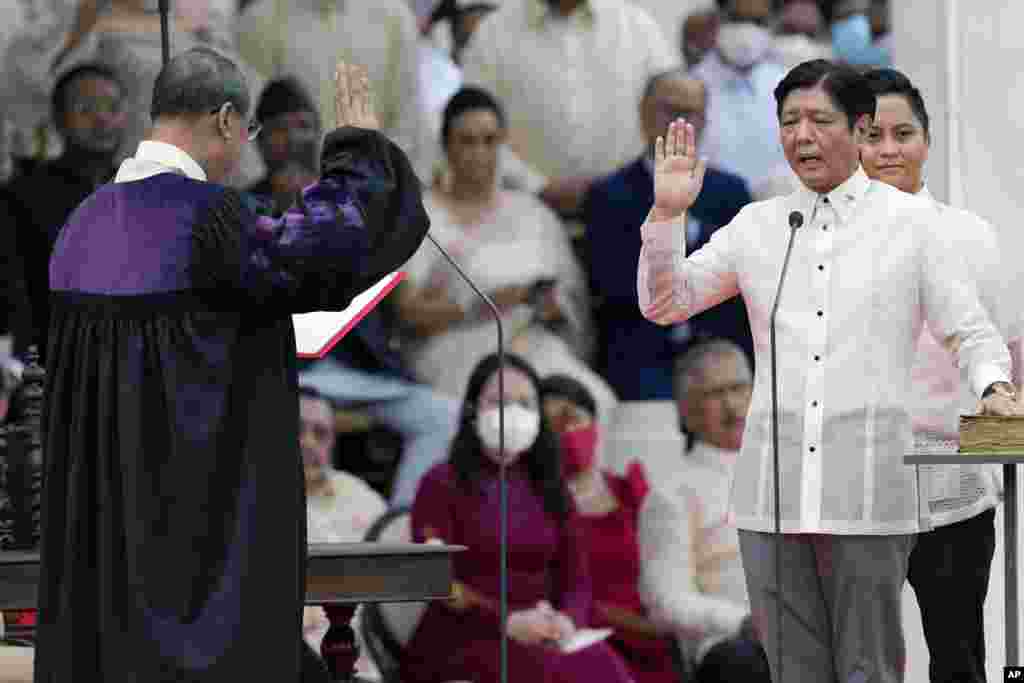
(949, 566)
(513, 247)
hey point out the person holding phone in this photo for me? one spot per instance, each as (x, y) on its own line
(513, 247)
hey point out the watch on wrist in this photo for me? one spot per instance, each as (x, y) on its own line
(1002, 388)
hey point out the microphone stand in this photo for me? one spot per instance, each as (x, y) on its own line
(795, 221)
(165, 31)
(502, 475)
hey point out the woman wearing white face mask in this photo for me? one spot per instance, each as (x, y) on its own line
(549, 586)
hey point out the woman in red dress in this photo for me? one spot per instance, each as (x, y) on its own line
(608, 506)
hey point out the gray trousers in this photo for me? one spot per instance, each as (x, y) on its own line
(841, 596)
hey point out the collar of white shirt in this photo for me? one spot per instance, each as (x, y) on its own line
(538, 11)
(925, 193)
(712, 456)
(153, 158)
(843, 198)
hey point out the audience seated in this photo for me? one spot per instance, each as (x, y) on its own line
(636, 355)
(362, 369)
(800, 35)
(125, 35)
(88, 106)
(339, 506)
(692, 576)
(549, 588)
(514, 249)
(304, 38)
(742, 133)
(698, 35)
(569, 73)
(608, 506)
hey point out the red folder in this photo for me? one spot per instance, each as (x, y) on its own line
(316, 333)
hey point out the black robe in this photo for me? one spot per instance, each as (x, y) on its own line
(174, 540)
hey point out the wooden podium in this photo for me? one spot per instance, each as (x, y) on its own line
(340, 576)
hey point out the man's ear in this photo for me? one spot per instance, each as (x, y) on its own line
(861, 129)
(224, 120)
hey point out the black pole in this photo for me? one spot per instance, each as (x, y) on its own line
(165, 30)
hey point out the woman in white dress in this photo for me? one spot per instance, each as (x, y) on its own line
(513, 247)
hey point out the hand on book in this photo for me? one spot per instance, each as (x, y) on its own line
(1001, 404)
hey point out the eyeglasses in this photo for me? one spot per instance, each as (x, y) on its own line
(96, 105)
(252, 128)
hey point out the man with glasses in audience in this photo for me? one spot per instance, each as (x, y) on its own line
(87, 109)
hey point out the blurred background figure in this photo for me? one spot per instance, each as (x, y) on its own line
(304, 39)
(514, 249)
(636, 355)
(741, 135)
(569, 73)
(698, 36)
(854, 38)
(608, 505)
(88, 110)
(549, 594)
(289, 142)
(692, 573)
(800, 35)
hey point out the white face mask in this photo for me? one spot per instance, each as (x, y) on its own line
(521, 429)
(743, 43)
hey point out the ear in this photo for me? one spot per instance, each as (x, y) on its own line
(224, 120)
(861, 129)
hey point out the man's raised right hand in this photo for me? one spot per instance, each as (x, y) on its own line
(678, 173)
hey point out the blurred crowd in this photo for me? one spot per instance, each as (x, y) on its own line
(530, 124)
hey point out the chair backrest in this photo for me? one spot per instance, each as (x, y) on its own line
(388, 627)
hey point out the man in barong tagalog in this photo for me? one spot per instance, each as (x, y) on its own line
(174, 532)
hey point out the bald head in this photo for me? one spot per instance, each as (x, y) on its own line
(669, 96)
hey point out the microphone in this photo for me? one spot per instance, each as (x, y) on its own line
(165, 32)
(796, 220)
(503, 482)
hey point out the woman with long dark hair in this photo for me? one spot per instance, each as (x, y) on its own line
(549, 585)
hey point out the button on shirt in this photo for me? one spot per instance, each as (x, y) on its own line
(570, 85)
(872, 261)
(958, 492)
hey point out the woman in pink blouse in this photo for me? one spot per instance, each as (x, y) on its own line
(549, 589)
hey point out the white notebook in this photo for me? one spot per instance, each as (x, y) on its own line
(316, 333)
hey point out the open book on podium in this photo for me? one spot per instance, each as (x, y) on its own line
(316, 333)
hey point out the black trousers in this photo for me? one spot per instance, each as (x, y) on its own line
(734, 660)
(949, 572)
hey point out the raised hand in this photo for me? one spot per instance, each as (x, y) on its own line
(678, 174)
(353, 100)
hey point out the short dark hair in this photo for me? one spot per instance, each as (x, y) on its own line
(846, 87)
(569, 388)
(197, 82)
(469, 99)
(59, 95)
(893, 82)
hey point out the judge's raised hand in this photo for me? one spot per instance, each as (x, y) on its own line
(678, 173)
(353, 100)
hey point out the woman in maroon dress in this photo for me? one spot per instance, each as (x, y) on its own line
(608, 506)
(548, 582)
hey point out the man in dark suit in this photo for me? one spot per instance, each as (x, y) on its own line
(636, 355)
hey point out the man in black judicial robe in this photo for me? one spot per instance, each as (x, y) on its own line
(174, 540)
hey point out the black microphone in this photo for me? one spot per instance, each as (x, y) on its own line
(165, 32)
(796, 219)
(503, 482)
